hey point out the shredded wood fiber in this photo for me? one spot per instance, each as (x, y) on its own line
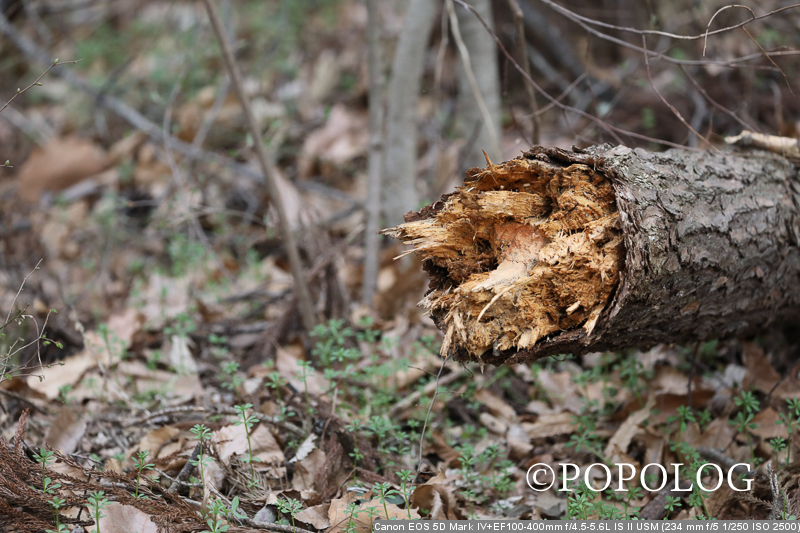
(521, 250)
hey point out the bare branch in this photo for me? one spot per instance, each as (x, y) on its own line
(608, 127)
(270, 170)
(36, 82)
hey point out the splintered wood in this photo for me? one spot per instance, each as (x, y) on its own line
(521, 250)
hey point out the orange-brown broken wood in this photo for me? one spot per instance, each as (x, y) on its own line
(528, 247)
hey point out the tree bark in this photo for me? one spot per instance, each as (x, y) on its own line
(692, 246)
(372, 207)
(399, 193)
(479, 77)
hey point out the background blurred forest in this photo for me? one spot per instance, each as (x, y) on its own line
(134, 183)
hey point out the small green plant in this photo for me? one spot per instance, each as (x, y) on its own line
(201, 433)
(791, 420)
(352, 511)
(230, 376)
(468, 461)
(247, 420)
(55, 504)
(631, 371)
(684, 417)
(406, 487)
(291, 507)
(672, 504)
(44, 458)
(63, 391)
(140, 464)
(305, 371)
(579, 503)
(354, 428)
(97, 502)
(214, 520)
(275, 381)
(385, 491)
(743, 422)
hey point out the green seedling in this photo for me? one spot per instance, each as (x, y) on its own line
(247, 420)
(140, 464)
(97, 502)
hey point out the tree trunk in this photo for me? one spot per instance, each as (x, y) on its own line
(375, 158)
(608, 248)
(400, 155)
(481, 127)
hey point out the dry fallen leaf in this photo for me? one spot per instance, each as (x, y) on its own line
(66, 431)
(59, 164)
(72, 369)
(305, 448)
(550, 426)
(339, 518)
(768, 427)
(287, 361)
(317, 516)
(496, 405)
(121, 518)
(343, 137)
(618, 444)
(232, 441)
(157, 438)
(308, 470)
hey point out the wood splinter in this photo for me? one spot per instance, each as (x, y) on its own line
(606, 248)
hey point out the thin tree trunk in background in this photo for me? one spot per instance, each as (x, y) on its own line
(522, 58)
(400, 154)
(482, 62)
(610, 248)
(373, 205)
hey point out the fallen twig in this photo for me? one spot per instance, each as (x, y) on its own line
(429, 389)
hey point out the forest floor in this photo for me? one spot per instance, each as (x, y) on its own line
(169, 383)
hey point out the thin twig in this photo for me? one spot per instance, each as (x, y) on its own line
(415, 396)
(666, 103)
(714, 103)
(185, 472)
(574, 16)
(36, 82)
(584, 23)
(428, 414)
(270, 171)
(603, 124)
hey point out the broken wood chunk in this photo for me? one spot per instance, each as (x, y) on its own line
(523, 249)
(607, 248)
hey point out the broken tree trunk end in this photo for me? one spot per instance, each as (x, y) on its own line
(607, 248)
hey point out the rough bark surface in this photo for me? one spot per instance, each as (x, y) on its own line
(482, 54)
(709, 249)
(399, 192)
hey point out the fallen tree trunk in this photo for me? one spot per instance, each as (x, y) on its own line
(608, 248)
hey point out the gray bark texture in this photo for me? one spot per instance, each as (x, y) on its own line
(483, 61)
(375, 158)
(400, 156)
(711, 248)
